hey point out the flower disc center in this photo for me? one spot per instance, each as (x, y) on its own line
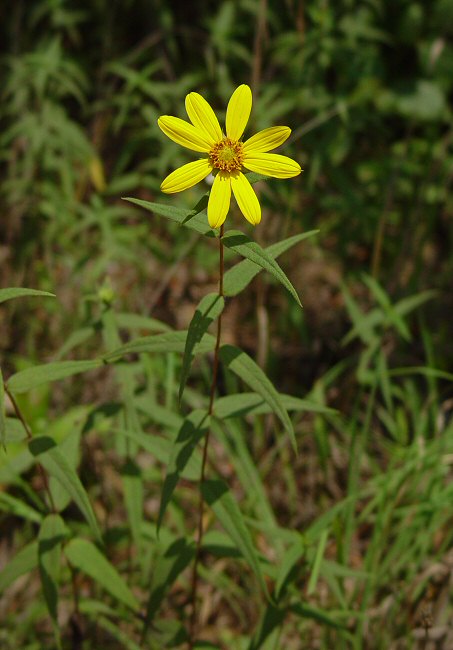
(227, 155)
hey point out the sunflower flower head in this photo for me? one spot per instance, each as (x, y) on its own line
(226, 156)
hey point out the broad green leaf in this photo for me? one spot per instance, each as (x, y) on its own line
(29, 378)
(19, 292)
(232, 406)
(210, 308)
(218, 496)
(240, 243)
(2, 412)
(193, 219)
(51, 535)
(241, 274)
(86, 557)
(53, 461)
(193, 429)
(19, 508)
(244, 367)
(23, 562)
(166, 342)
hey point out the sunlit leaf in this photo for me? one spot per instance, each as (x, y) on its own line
(240, 243)
(244, 367)
(29, 378)
(241, 274)
(19, 292)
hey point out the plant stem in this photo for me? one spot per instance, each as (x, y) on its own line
(215, 368)
(27, 429)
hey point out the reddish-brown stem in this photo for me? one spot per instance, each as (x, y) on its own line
(27, 429)
(200, 530)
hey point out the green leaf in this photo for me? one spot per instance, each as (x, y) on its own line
(161, 449)
(86, 557)
(240, 275)
(51, 458)
(168, 565)
(320, 549)
(218, 496)
(193, 219)
(23, 562)
(244, 367)
(51, 535)
(166, 342)
(308, 611)
(19, 292)
(193, 429)
(32, 377)
(2, 412)
(210, 307)
(233, 406)
(19, 508)
(240, 243)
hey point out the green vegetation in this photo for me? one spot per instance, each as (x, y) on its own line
(107, 356)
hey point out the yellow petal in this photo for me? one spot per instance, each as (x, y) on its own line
(267, 140)
(246, 198)
(203, 117)
(238, 112)
(272, 164)
(219, 200)
(184, 133)
(186, 176)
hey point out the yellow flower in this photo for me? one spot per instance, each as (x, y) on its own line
(226, 155)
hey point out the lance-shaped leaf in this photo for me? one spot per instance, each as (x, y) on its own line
(166, 342)
(244, 367)
(23, 562)
(194, 427)
(218, 496)
(19, 292)
(51, 535)
(233, 406)
(193, 219)
(242, 244)
(86, 557)
(208, 310)
(241, 274)
(53, 461)
(32, 377)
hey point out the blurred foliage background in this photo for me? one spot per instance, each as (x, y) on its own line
(367, 88)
